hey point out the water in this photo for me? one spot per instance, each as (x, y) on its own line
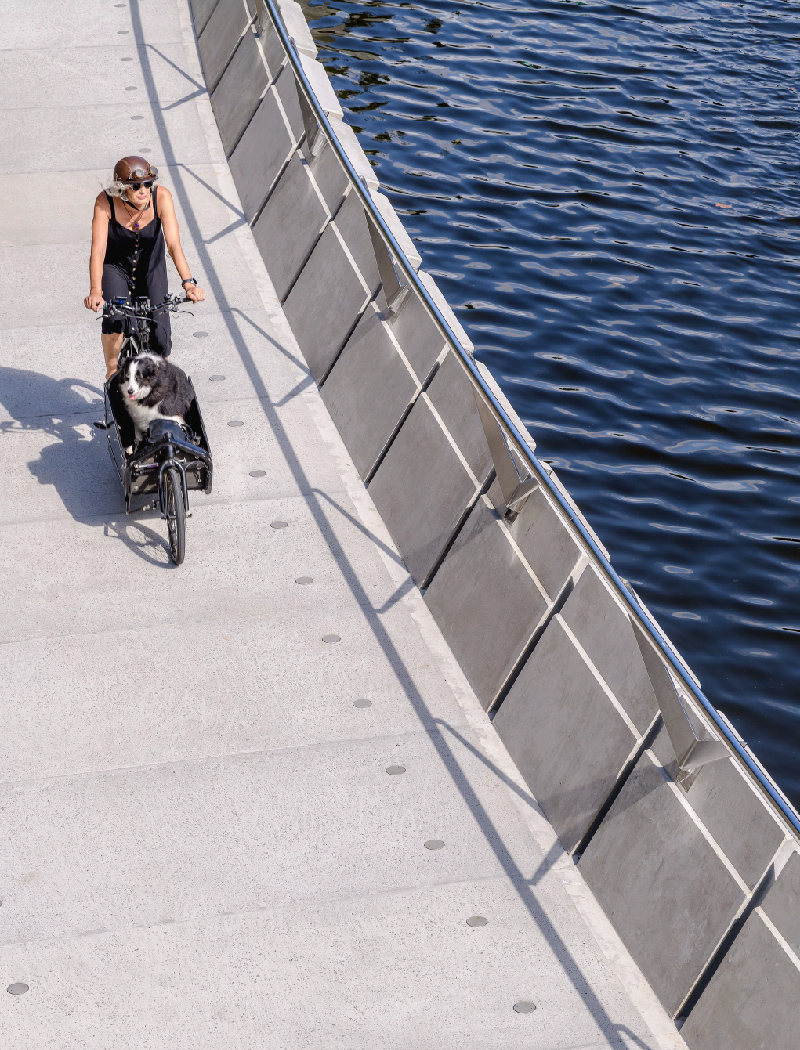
(608, 196)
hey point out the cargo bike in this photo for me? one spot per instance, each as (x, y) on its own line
(174, 457)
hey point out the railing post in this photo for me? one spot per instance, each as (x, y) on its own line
(693, 746)
(394, 290)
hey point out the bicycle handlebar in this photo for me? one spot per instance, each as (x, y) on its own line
(122, 306)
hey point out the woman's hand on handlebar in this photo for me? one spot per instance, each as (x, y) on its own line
(94, 301)
(195, 293)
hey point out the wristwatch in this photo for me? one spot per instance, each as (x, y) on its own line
(189, 280)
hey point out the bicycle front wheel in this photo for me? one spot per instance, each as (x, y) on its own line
(176, 514)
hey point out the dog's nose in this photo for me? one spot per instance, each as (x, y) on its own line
(130, 390)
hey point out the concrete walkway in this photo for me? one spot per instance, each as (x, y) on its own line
(221, 783)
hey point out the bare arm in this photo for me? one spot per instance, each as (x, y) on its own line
(166, 211)
(100, 220)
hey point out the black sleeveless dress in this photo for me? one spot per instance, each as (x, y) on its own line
(135, 266)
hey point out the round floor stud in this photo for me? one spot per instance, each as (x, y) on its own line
(304, 580)
(127, 58)
(524, 1006)
(235, 422)
(200, 335)
(434, 844)
(123, 32)
(257, 473)
(362, 703)
(137, 116)
(132, 88)
(476, 920)
(331, 638)
(395, 771)
(279, 524)
(216, 379)
(18, 988)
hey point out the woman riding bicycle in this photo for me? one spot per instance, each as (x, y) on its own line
(133, 222)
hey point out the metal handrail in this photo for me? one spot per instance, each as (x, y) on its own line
(663, 646)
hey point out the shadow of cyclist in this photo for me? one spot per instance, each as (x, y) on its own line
(73, 457)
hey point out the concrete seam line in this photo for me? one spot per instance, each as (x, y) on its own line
(273, 185)
(398, 349)
(339, 236)
(681, 797)
(518, 551)
(776, 933)
(601, 681)
(451, 440)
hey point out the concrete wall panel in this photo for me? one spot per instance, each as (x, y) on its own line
(737, 818)
(219, 38)
(289, 225)
(352, 225)
(751, 1001)
(451, 395)
(546, 542)
(272, 48)
(260, 154)
(324, 304)
(605, 633)
(660, 882)
(782, 903)
(564, 734)
(286, 87)
(201, 12)
(236, 96)
(368, 391)
(421, 490)
(330, 177)
(418, 335)
(485, 602)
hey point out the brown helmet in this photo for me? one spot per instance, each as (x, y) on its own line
(134, 169)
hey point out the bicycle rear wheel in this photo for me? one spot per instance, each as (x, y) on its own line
(176, 514)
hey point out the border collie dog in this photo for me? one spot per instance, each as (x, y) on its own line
(152, 388)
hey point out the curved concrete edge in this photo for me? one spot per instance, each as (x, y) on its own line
(680, 864)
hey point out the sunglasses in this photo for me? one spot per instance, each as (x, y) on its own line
(138, 185)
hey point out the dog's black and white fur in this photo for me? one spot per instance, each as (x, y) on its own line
(152, 388)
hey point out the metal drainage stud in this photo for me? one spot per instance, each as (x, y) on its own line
(477, 920)
(362, 703)
(304, 580)
(200, 335)
(524, 1006)
(132, 88)
(279, 524)
(434, 844)
(331, 639)
(123, 32)
(127, 58)
(216, 379)
(137, 116)
(18, 988)
(395, 771)
(257, 473)
(235, 422)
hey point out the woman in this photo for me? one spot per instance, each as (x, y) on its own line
(133, 221)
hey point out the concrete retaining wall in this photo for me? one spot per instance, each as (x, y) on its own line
(699, 875)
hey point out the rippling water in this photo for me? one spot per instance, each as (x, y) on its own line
(608, 196)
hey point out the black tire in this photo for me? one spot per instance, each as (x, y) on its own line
(176, 514)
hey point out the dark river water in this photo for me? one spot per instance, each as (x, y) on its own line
(608, 196)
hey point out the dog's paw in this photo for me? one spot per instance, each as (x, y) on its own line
(129, 450)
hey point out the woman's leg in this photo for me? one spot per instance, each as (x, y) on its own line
(112, 344)
(115, 286)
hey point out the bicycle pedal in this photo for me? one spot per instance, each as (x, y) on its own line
(102, 425)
